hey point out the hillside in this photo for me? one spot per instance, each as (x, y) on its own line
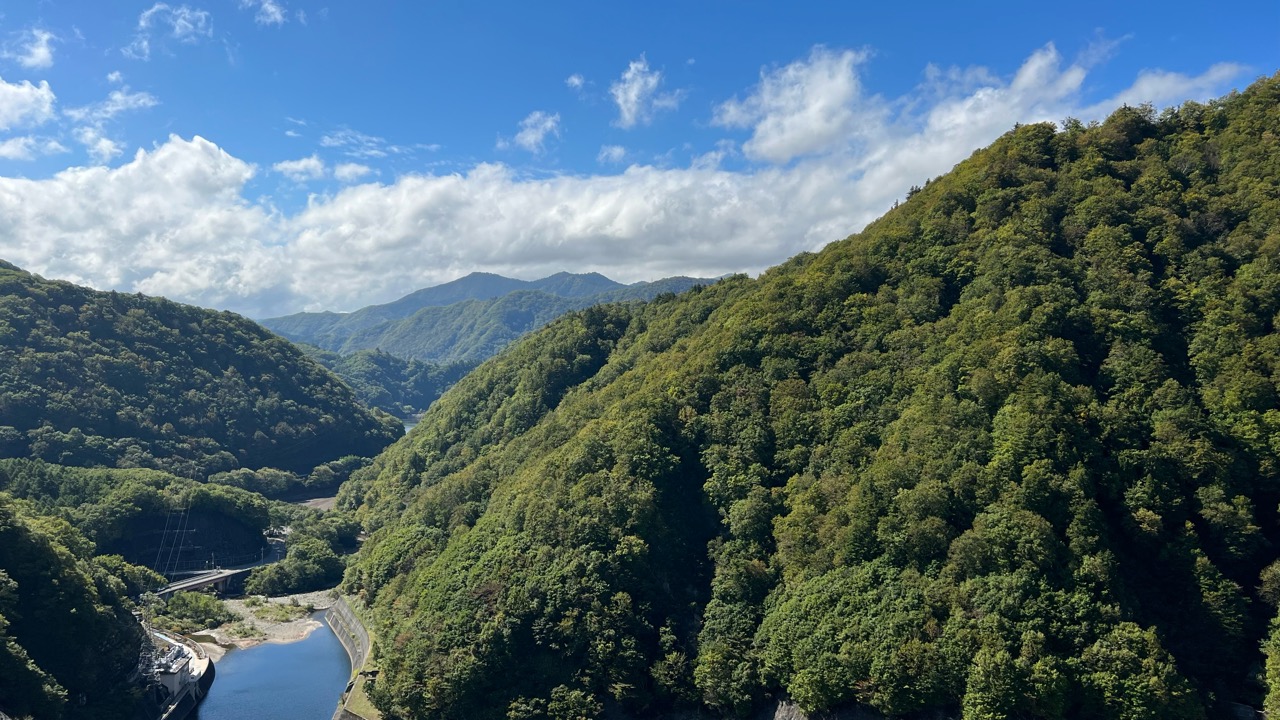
(467, 320)
(1011, 451)
(68, 642)
(102, 378)
(403, 388)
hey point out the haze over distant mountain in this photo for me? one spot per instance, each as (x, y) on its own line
(466, 320)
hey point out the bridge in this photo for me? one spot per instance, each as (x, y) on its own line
(218, 579)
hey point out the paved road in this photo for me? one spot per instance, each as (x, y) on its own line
(199, 581)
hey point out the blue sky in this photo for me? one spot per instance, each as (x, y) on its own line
(269, 156)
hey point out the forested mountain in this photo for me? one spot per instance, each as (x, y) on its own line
(127, 512)
(467, 320)
(68, 642)
(98, 378)
(1012, 451)
(77, 543)
(394, 385)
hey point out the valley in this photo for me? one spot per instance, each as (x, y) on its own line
(1010, 451)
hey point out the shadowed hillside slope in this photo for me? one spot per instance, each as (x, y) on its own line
(1012, 451)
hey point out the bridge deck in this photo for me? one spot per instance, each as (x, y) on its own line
(200, 581)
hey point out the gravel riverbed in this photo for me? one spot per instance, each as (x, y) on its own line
(253, 629)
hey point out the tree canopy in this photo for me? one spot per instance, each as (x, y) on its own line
(103, 378)
(1011, 451)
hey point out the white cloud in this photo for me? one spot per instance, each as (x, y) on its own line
(101, 148)
(27, 147)
(354, 143)
(636, 94)
(93, 118)
(301, 170)
(534, 130)
(23, 104)
(269, 12)
(350, 172)
(18, 148)
(178, 220)
(34, 49)
(804, 108)
(575, 81)
(117, 102)
(611, 154)
(114, 77)
(292, 133)
(169, 222)
(183, 24)
(1161, 88)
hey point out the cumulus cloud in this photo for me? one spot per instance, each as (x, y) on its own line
(302, 169)
(115, 77)
(636, 94)
(92, 120)
(23, 104)
(169, 222)
(101, 148)
(183, 24)
(803, 108)
(177, 220)
(611, 154)
(534, 130)
(350, 172)
(33, 49)
(1159, 87)
(269, 12)
(575, 81)
(18, 148)
(28, 147)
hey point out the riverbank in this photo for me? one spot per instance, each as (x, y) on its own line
(266, 620)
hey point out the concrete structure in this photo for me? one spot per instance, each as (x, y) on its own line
(183, 674)
(220, 580)
(355, 640)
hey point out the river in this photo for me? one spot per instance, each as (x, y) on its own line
(282, 681)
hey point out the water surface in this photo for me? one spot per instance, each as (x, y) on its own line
(291, 681)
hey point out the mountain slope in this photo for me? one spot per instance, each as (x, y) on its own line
(309, 327)
(1009, 452)
(403, 388)
(68, 642)
(466, 320)
(96, 378)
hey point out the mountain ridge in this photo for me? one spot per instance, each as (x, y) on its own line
(90, 377)
(466, 320)
(1007, 452)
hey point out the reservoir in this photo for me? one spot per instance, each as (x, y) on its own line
(283, 681)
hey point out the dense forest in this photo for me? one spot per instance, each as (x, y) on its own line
(97, 378)
(391, 384)
(68, 641)
(127, 511)
(465, 321)
(1011, 451)
(80, 546)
